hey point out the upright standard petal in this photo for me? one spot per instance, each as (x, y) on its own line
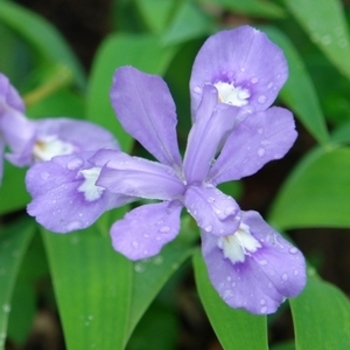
(137, 177)
(257, 269)
(146, 110)
(260, 138)
(145, 230)
(212, 125)
(215, 212)
(244, 65)
(65, 197)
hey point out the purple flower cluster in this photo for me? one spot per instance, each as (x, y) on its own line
(235, 78)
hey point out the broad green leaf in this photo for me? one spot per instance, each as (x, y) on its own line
(42, 36)
(299, 93)
(92, 285)
(256, 8)
(13, 194)
(14, 241)
(150, 275)
(342, 134)
(321, 317)
(325, 22)
(289, 345)
(236, 329)
(316, 193)
(188, 23)
(141, 51)
(156, 13)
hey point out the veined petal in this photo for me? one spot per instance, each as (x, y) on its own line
(260, 138)
(207, 135)
(244, 61)
(138, 177)
(215, 212)
(64, 198)
(145, 230)
(146, 110)
(266, 276)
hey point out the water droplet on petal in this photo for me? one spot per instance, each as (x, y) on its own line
(262, 302)
(293, 250)
(261, 152)
(263, 262)
(296, 272)
(233, 284)
(262, 99)
(255, 80)
(260, 131)
(270, 85)
(263, 310)
(45, 175)
(164, 229)
(211, 199)
(285, 277)
(146, 236)
(75, 164)
(208, 228)
(74, 225)
(228, 278)
(197, 90)
(135, 244)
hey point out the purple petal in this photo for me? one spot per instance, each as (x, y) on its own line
(265, 278)
(145, 230)
(19, 135)
(2, 149)
(146, 110)
(137, 177)
(207, 135)
(9, 97)
(244, 57)
(61, 202)
(214, 211)
(258, 139)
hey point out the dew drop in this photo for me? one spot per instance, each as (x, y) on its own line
(262, 302)
(74, 225)
(211, 199)
(255, 80)
(208, 228)
(296, 272)
(262, 262)
(135, 244)
(81, 215)
(260, 131)
(326, 40)
(158, 260)
(229, 210)
(233, 284)
(293, 250)
(164, 229)
(228, 278)
(263, 310)
(6, 308)
(197, 90)
(270, 85)
(146, 236)
(158, 238)
(261, 152)
(45, 175)
(222, 231)
(75, 164)
(285, 277)
(262, 99)
(139, 267)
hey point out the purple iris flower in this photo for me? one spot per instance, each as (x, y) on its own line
(247, 69)
(249, 263)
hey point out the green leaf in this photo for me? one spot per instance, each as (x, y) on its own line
(321, 316)
(236, 329)
(151, 274)
(257, 8)
(316, 194)
(92, 285)
(14, 241)
(325, 22)
(141, 51)
(156, 13)
(180, 31)
(299, 93)
(13, 193)
(42, 36)
(342, 134)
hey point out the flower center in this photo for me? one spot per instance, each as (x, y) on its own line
(46, 148)
(236, 246)
(91, 191)
(232, 95)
